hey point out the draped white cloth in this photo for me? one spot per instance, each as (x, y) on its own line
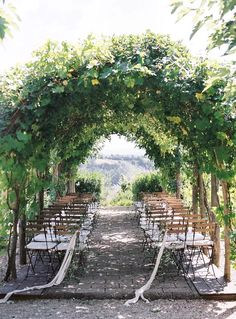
(59, 276)
(139, 292)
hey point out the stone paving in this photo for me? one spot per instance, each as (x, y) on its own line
(114, 267)
(116, 264)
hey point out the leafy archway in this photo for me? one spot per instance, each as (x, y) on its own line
(55, 108)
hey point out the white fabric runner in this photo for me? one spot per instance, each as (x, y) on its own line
(59, 276)
(139, 292)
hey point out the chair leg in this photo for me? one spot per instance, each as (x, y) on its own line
(30, 263)
(178, 259)
(190, 261)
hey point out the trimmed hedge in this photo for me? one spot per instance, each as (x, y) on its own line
(146, 183)
(87, 182)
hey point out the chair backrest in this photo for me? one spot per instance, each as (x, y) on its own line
(177, 228)
(34, 228)
(160, 217)
(205, 227)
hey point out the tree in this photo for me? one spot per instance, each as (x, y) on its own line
(8, 19)
(219, 16)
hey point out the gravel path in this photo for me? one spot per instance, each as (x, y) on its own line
(116, 266)
(114, 309)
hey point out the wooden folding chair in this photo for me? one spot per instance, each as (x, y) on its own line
(200, 243)
(63, 234)
(39, 244)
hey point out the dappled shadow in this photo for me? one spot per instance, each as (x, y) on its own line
(209, 280)
(119, 237)
(115, 265)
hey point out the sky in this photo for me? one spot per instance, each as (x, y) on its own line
(119, 145)
(71, 20)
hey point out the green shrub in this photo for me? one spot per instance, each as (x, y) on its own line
(87, 182)
(122, 198)
(146, 183)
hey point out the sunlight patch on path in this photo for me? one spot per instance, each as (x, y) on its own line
(119, 237)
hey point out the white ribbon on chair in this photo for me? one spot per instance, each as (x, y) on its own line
(139, 292)
(59, 276)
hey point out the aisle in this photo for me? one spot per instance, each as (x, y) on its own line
(115, 263)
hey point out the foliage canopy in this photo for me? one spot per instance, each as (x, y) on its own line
(69, 96)
(146, 87)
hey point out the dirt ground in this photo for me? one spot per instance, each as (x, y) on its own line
(115, 309)
(3, 265)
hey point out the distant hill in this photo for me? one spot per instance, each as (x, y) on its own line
(118, 168)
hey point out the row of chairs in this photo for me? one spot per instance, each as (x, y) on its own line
(189, 236)
(48, 235)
